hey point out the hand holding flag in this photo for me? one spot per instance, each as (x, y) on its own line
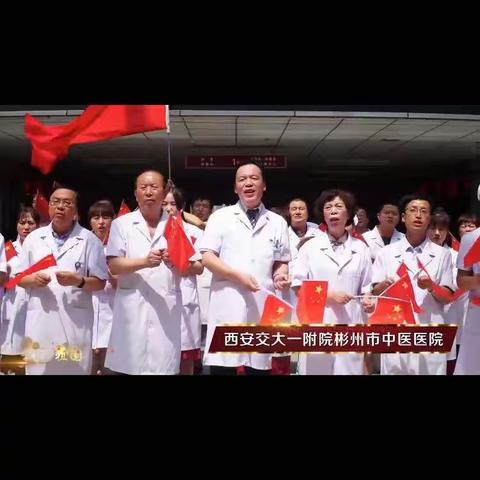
(44, 263)
(180, 250)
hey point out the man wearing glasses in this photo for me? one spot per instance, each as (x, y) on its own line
(415, 247)
(58, 331)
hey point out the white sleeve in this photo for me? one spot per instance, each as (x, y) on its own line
(465, 245)
(366, 276)
(117, 242)
(3, 258)
(282, 245)
(379, 268)
(446, 272)
(300, 270)
(212, 239)
(23, 260)
(96, 260)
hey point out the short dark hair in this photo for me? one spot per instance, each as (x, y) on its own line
(406, 199)
(328, 195)
(102, 208)
(77, 195)
(468, 218)
(286, 215)
(440, 218)
(262, 170)
(151, 170)
(200, 198)
(387, 202)
(24, 211)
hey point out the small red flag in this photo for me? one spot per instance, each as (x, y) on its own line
(41, 205)
(179, 247)
(437, 289)
(50, 143)
(392, 311)
(473, 255)
(275, 311)
(403, 288)
(455, 242)
(323, 227)
(45, 262)
(123, 210)
(10, 251)
(312, 298)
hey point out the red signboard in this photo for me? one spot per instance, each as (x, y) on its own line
(231, 162)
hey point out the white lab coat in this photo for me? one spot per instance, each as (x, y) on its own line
(14, 311)
(146, 331)
(229, 234)
(103, 315)
(347, 270)
(58, 315)
(457, 311)
(375, 240)
(468, 362)
(191, 323)
(3, 263)
(438, 262)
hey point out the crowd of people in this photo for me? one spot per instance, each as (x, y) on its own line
(113, 303)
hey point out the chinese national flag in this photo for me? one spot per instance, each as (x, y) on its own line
(10, 251)
(179, 247)
(455, 242)
(45, 262)
(123, 210)
(323, 227)
(391, 311)
(275, 311)
(473, 255)
(403, 288)
(438, 290)
(41, 205)
(50, 143)
(312, 298)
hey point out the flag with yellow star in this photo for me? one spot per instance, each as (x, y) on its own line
(10, 251)
(403, 288)
(275, 311)
(312, 298)
(390, 311)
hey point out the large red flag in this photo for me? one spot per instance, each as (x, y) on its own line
(98, 122)
(10, 251)
(312, 298)
(473, 255)
(403, 288)
(179, 247)
(392, 311)
(45, 262)
(275, 311)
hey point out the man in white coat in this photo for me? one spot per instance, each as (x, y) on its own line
(416, 214)
(58, 328)
(385, 232)
(246, 247)
(146, 331)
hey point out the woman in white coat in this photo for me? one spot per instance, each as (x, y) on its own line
(14, 306)
(58, 327)
(100, 217)
(190, 314)
(385, 232)
(345, 263)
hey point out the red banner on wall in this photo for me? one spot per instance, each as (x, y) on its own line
(334, 338)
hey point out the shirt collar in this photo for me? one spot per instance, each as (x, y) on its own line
(409, 248)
